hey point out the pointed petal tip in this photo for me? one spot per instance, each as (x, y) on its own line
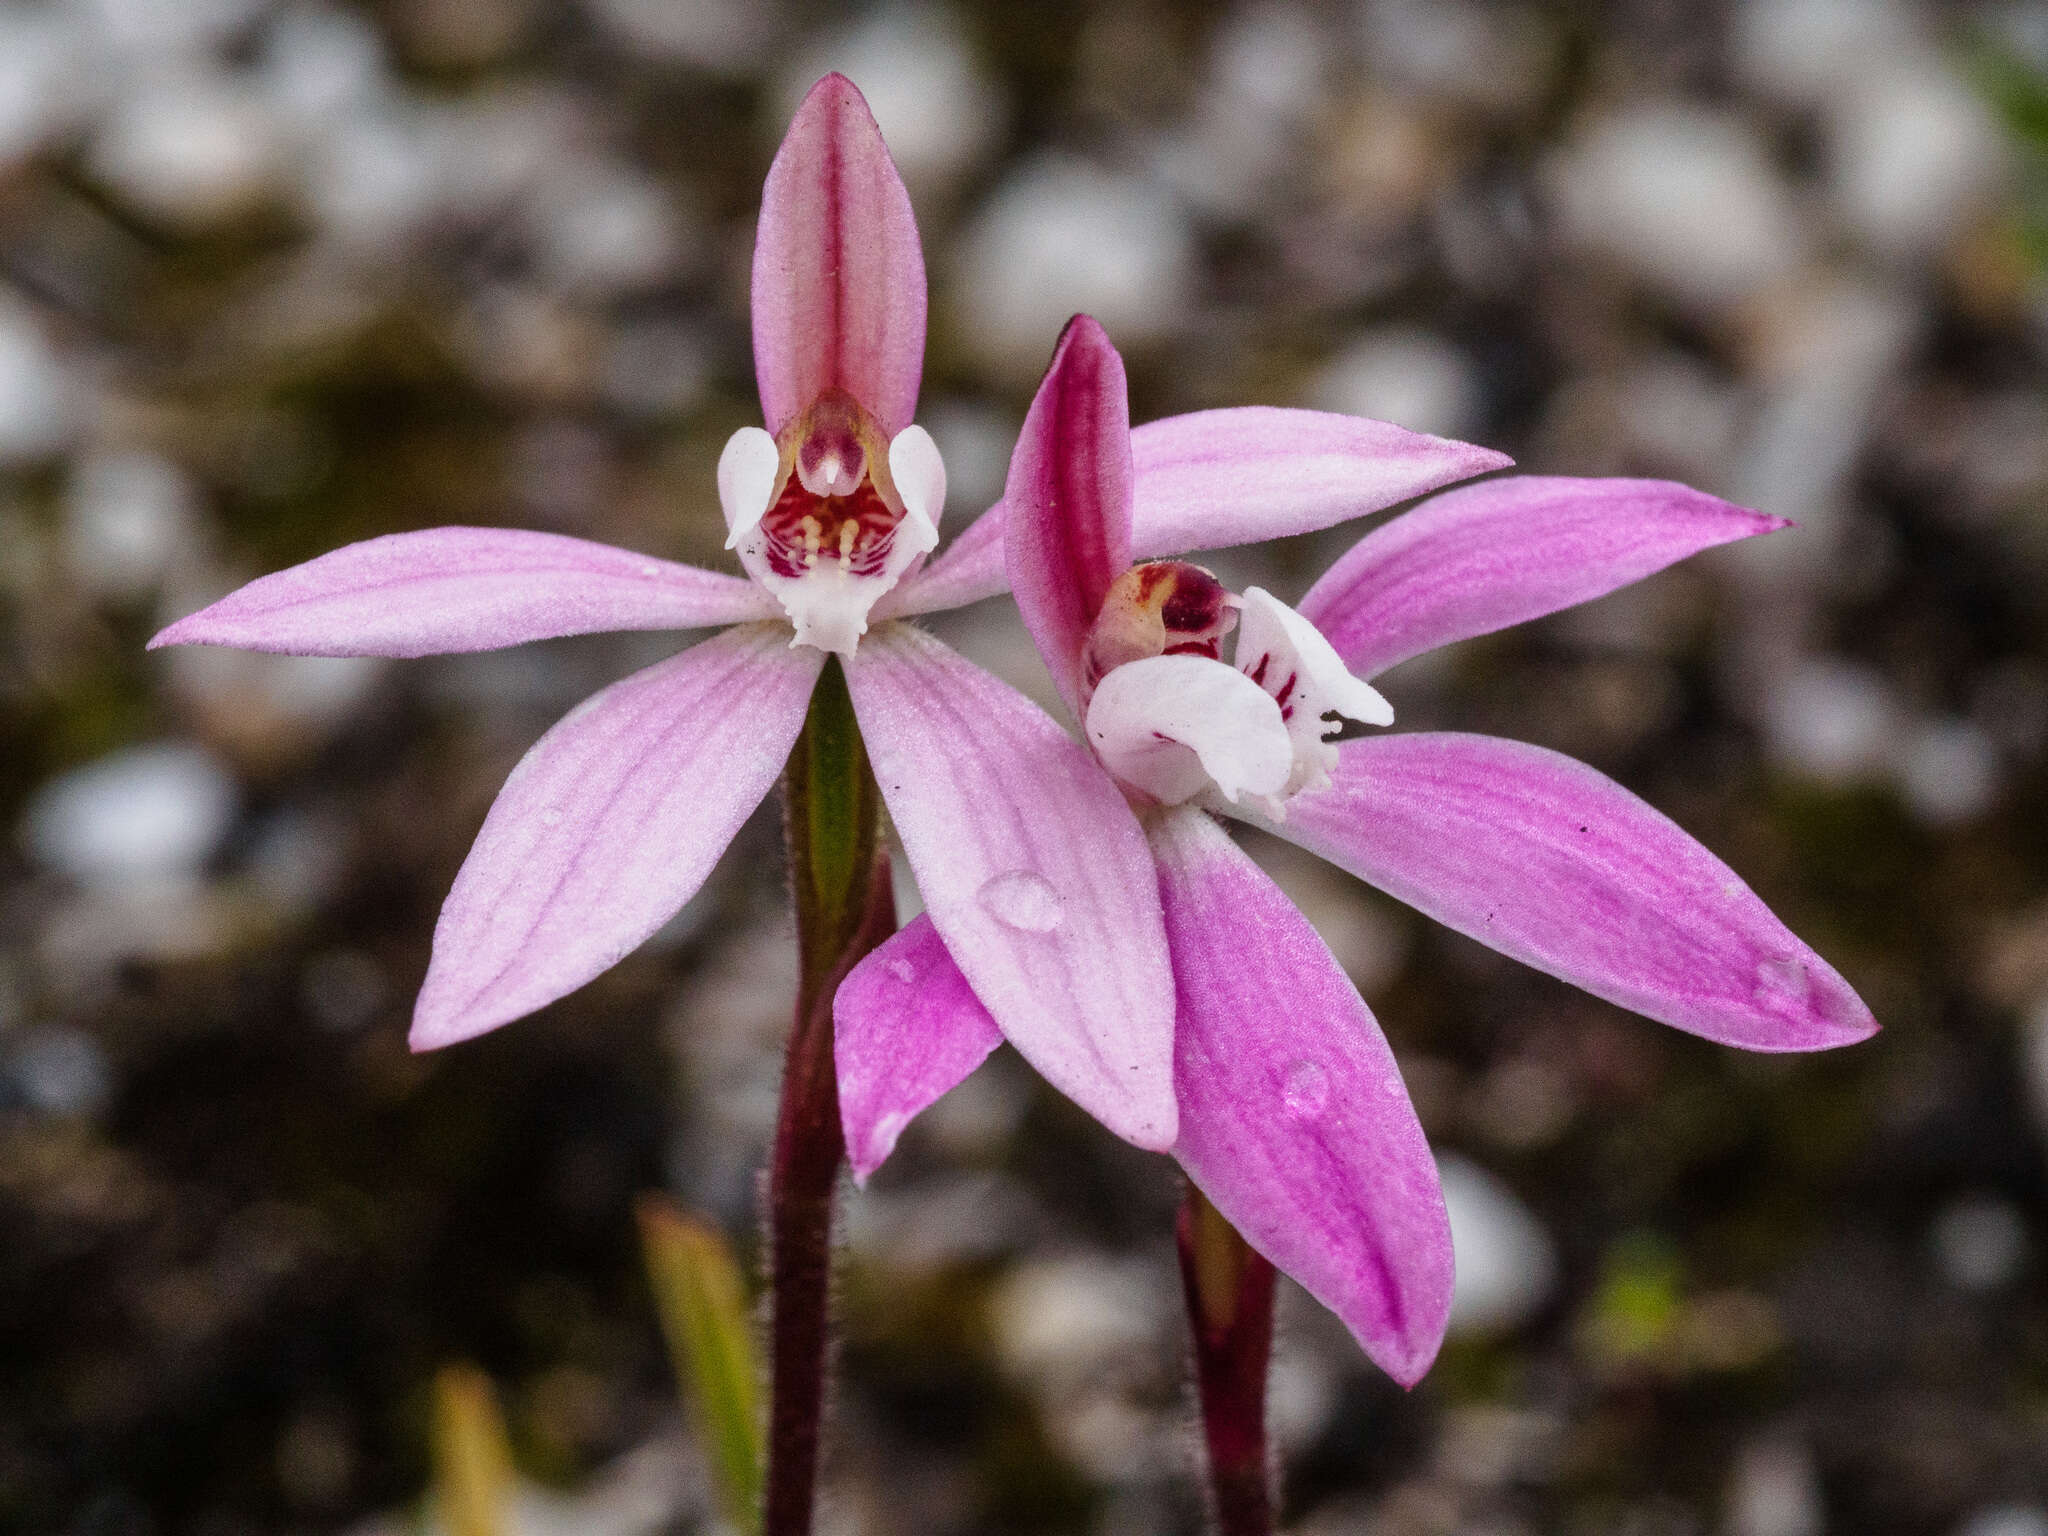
(832, 89)
(1082, 329)
(434, 1028)
(1831, 1024)
(1408, 1367)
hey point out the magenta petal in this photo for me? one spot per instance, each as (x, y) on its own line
(609, 824)
(1211, 479)
(1034, 872)
(1068, 529)
(906, 1029)
(444, 590)
(1486, 556)
(1293, 1117)
(839, 297)
(1547, 860)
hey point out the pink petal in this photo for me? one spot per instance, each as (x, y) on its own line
(1034, 872)
(443, 590)
(1068, 532)
(969, 569)
(1294, 1121)
(839, 296)
(1548, 861)
(609, 825)
(1486, 556)
(906, 1029)
(1211, 479)
(1215, 478)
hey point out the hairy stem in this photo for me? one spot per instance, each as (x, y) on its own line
(840, 883)
(1229, 1289)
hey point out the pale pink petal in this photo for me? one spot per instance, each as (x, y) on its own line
(970, 569)
(1293, 1118)
(1547, 860)
(906, 1028)
(1486, 556)
(444, 590)
(1211, 479)
(1034, 871)
(609, 824)
(839, 298)
(1243, 475)
(1068, 534)
(1173, 726)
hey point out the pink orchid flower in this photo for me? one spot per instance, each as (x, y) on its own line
(1029, 863)
(1293, 1118)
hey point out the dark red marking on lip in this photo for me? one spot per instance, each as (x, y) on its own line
(873, 523)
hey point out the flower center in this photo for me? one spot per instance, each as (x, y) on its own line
(829, 515)
(1161, 608)
(1173, 721)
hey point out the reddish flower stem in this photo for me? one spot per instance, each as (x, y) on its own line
(1229, 1289)
(839, 879)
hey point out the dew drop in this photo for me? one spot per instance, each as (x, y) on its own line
(1306, 1091)
(1782, 983)
(1023, 901)
(903, 970)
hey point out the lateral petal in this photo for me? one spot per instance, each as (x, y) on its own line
(838, 284)
(1483, 557)
(907, 1029)
(1034, 872)
(446, 590)
(1068, 529)
(609, 824)
(1210, 479)
(1294, 1120)
(1549, 861)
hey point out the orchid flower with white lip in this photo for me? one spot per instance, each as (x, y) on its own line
(1293, 1118)
(1027, 859)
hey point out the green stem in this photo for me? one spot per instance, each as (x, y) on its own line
(839, 879)
(1229, 1289)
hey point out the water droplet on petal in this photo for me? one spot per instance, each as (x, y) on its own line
(1306, 1091)
(1024, 901)
(903, 970)
(1783, 984)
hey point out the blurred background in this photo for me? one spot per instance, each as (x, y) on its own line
(278, 276)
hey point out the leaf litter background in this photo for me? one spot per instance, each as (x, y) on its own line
(278, 276)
